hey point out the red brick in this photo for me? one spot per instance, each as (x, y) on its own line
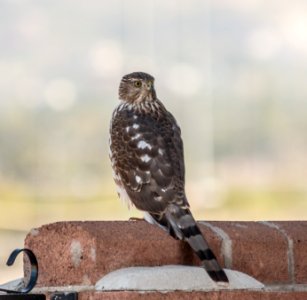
(217, 295)
(297, 232)
(258, 250)
(115, 245)
(215, 243)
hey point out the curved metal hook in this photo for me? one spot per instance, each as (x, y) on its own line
(34, 270)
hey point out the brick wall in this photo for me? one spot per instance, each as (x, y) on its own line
(80, 253)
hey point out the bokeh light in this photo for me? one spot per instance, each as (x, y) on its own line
(233, 73)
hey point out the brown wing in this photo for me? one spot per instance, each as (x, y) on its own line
(147, 152)
(147, 155)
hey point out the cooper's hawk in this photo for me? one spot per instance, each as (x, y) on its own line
(147, 160)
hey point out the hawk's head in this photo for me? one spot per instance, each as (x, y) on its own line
(137, 87)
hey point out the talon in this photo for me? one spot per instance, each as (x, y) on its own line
(136, 219)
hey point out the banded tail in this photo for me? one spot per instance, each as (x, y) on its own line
(185, 228)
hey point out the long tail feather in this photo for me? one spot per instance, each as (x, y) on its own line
(185, 228)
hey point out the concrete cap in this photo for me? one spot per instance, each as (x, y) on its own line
(172, 278)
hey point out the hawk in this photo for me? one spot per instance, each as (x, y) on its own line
(146, 153)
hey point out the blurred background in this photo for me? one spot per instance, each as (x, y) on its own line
(234, 73)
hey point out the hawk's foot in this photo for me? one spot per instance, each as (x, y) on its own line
(136, 219)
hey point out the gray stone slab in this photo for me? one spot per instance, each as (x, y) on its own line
(171, 278)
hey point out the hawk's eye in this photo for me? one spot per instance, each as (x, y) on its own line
(137, 83)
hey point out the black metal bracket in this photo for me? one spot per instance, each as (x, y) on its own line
(34, 271)
(22, 297)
